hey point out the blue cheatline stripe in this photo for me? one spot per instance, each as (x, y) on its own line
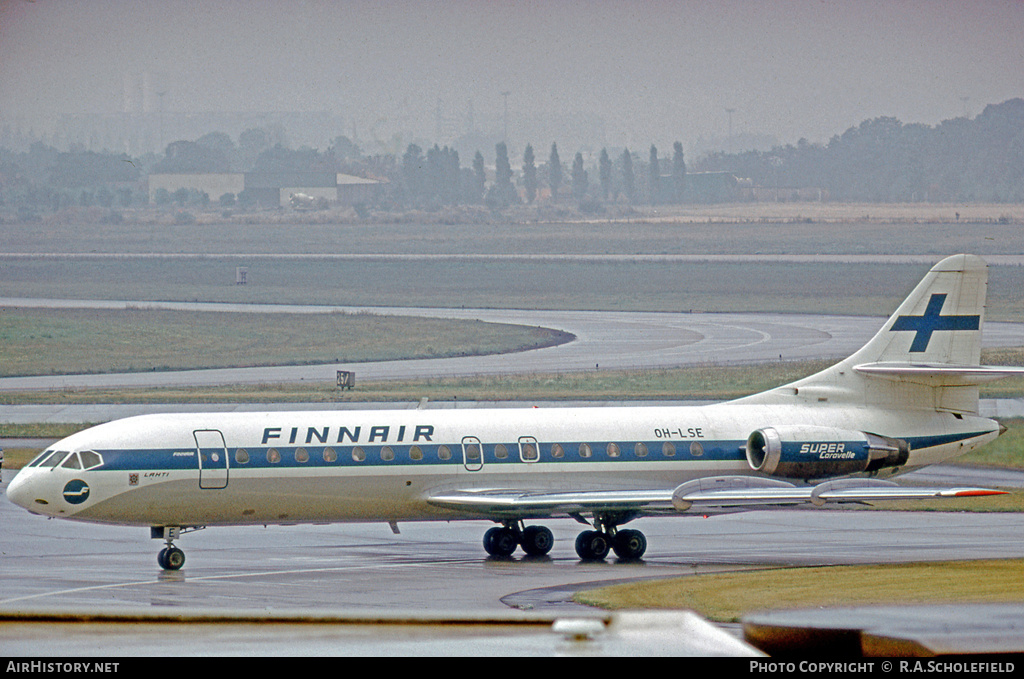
(373, 456)
(430, 455)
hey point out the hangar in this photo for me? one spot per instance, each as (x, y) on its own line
(272, 189)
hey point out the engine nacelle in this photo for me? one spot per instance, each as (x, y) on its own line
(810, 452)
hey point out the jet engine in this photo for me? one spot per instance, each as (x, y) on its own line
(810, 452)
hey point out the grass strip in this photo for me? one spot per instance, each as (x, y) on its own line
(703, 382)
(80, 341)
(726, 597)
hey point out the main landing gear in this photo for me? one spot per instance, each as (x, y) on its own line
(591, 545)
(594, 545)
(503, 540)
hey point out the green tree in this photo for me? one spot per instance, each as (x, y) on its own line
(628, 180)
(554, 172)
(218, 141)
(579, 178)
(479, 177)
(605, 169)
(503, 192)
(251, 143)
(345, 150)
(678, 172)
(435, 176)
(414, 172)
(654, 176)
(529, 174)
(452, 171)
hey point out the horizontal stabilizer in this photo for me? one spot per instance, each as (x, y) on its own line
(939, 374)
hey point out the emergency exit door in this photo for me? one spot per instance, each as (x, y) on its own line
(212, 454)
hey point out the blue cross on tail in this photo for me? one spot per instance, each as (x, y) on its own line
(925, 325)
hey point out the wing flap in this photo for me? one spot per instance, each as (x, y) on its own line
(513, 502)
(718, 492)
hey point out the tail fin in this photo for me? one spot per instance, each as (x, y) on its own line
(939, 322)
(926, 356)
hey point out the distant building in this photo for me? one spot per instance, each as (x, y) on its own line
(712, 187)
(700, 187)
(213, 185)
(354, 190)
(272, 189)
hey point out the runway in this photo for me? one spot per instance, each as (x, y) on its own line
(429, 572)
(442, 567)
(604, 340)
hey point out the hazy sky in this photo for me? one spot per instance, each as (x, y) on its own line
(655, 71)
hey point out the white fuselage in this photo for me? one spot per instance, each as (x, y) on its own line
(327, 466)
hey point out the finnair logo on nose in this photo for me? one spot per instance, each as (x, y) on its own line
(76, 491)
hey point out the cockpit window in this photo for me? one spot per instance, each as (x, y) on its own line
(50, 459)
(90, 459)
(72, 462)
(55, 459)
(39, 458)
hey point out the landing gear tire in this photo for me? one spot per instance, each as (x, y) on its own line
(629, 545)
(171, 558)
(499, 541)
(537, 540)
(592, 545)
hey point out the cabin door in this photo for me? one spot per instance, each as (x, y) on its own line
(212, 453)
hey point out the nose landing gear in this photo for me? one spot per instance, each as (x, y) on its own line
(170, 558)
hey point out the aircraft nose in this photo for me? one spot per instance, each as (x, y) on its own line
(19, 491)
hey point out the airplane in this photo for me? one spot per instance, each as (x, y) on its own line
(907, 399)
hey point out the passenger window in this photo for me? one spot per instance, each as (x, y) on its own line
(90, 459)
(613, 450)
(472, 452)
(330, 455)
(416, 453)
(696, 449)
(668, 449)
(530, 453)
(241, 456)
(557, 451)
(358, 454)
(72, 462)
(444, 453)
(585, 450)
(273, 456)
(501, 452)
(301, 455)
(387, 454)
(640, 450)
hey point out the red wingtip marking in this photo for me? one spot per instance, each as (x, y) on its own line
(979, 493)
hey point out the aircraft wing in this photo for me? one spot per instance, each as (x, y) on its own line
(702, 494)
